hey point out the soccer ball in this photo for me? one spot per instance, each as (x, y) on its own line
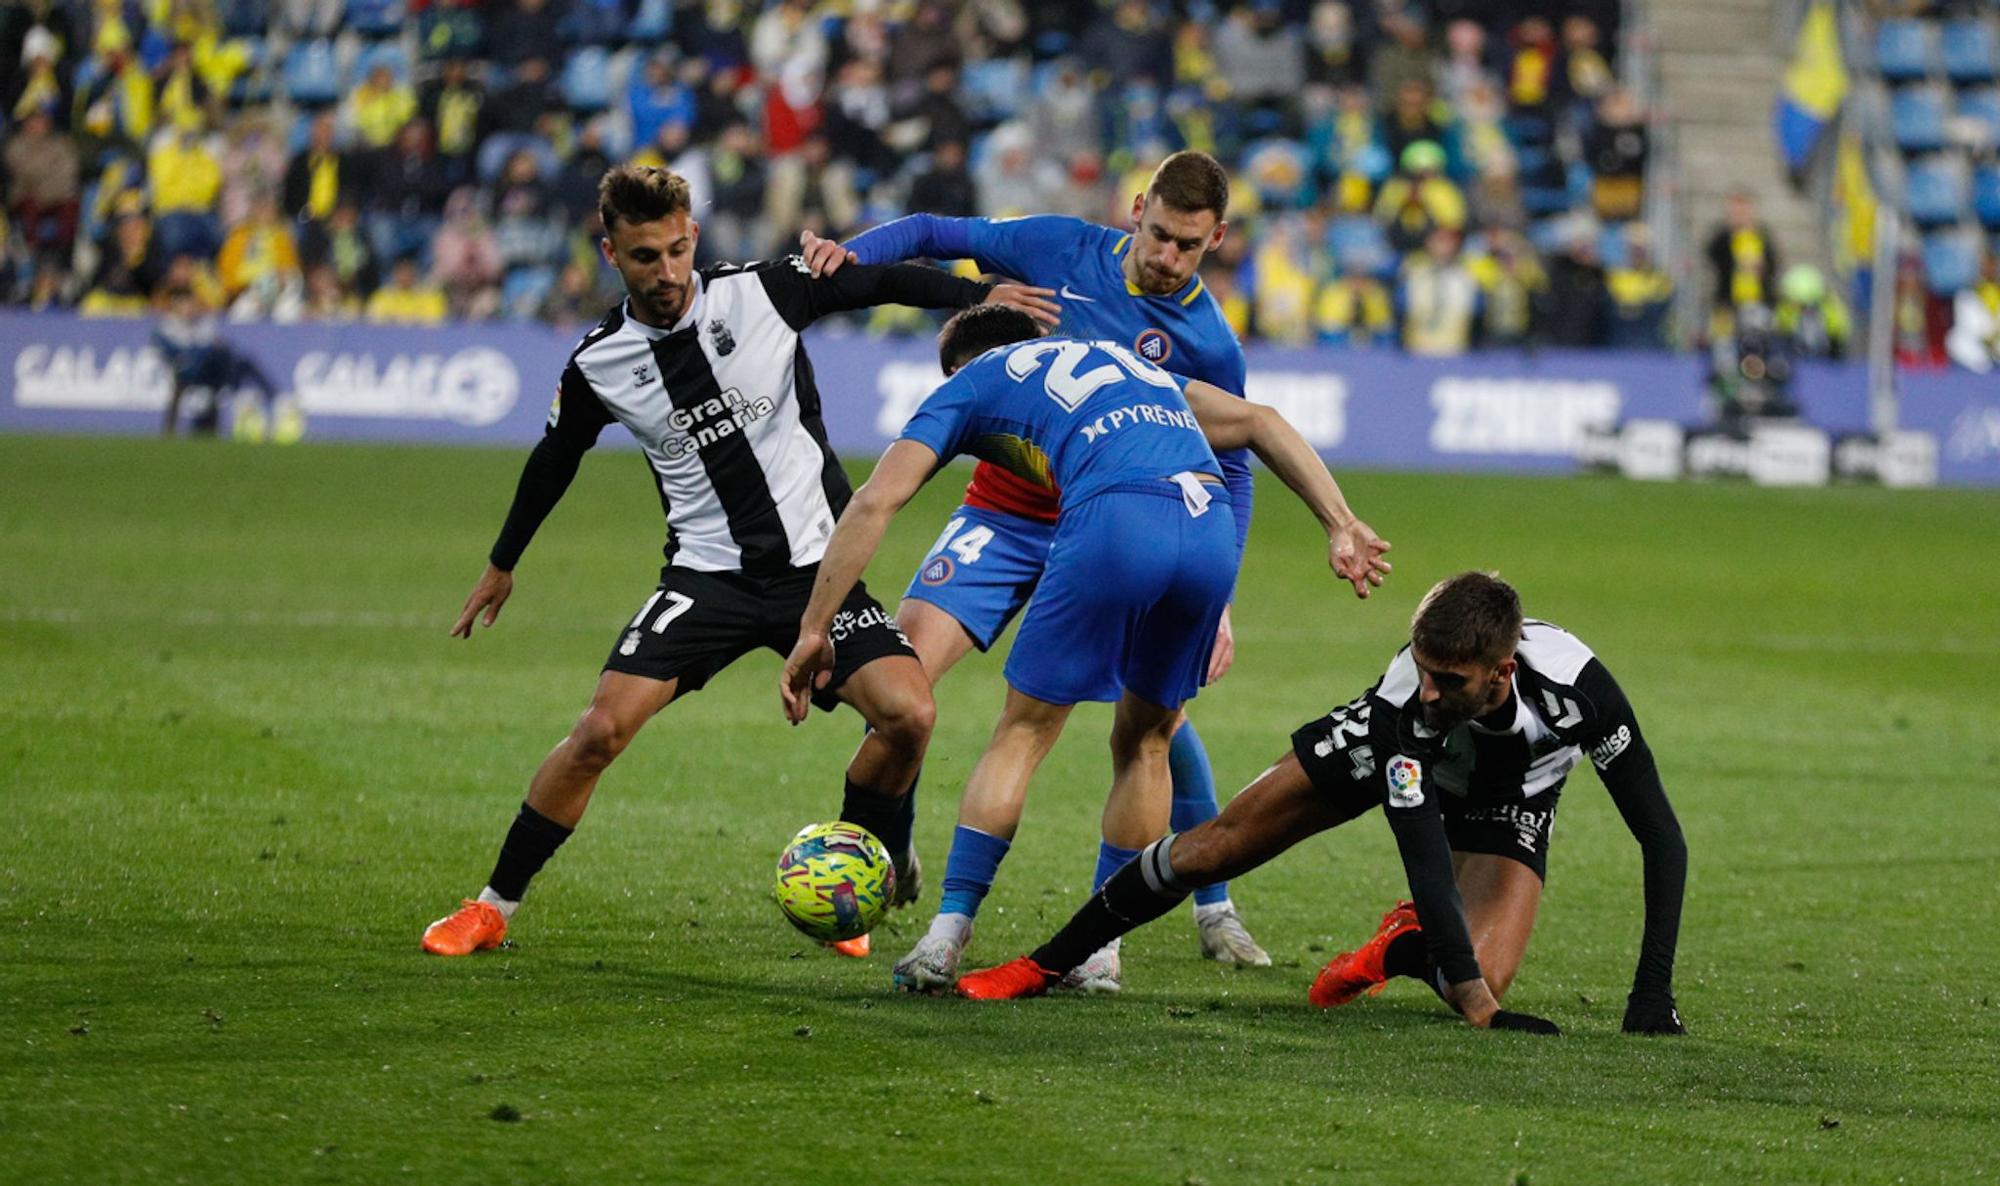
(834, 881)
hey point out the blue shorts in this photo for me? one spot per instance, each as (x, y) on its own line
(1134, 589)
(982, 570)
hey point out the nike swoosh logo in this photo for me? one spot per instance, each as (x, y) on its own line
(1076, 296)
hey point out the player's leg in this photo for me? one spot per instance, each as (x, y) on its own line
(989, 812)
(1279, 809)
(692, 626)
(1499, 860)
(1223, 935)
(557, 797)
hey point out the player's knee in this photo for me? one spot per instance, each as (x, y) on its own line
(598, 738)
(1131, 744)
(905, 720)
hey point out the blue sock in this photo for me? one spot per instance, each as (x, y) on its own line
(1110, 859)
(970, 869)
(1194, 797)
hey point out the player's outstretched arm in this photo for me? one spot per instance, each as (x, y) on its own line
(1356, 552)
(903, 470)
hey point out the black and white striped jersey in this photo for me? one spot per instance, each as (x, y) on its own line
(1565, 708)
(725, 406)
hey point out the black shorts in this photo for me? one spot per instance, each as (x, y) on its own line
(697, 623)
(1518, 831)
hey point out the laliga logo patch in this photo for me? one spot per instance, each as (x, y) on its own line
(937, 572)
(1153, 346)
(1406, 782)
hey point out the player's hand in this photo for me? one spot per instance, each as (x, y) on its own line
(492, 592)
(824, 257)
(1356, 555)
(807, 669)
(1223, 657)
(1028, 299)
(1524, 1023)
(1652, 1012)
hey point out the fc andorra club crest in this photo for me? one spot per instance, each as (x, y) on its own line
(936, 571)
(1153, 346)
(1406, 782)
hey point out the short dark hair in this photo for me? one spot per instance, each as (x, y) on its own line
(641, 193)
(1474, 617)
(1191, 181)
(972, 332)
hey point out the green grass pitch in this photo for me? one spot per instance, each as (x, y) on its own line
(243, 766)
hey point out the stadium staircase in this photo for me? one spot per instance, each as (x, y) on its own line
(1720, 63)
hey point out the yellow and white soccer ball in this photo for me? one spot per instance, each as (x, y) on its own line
(835, 881)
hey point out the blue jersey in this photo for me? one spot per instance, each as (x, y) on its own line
(1081, 417)
(1183, 332)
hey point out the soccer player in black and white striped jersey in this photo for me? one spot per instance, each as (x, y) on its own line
(706, 368)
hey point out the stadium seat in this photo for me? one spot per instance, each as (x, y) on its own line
(375, 18)
(495, 149)
(993, 88)
(1903, 50)
(1951, 261)
(586, 79)
(651, 24)
(243, 18)
(387, 53)
(1982, 106)
(1359, 245)
(1936, 192)
(312, 77)
(1917, 115)
(1986, 195)
(1969, 51)
(593, 22)
(253, 86)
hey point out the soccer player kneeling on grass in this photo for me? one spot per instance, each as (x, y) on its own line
(1464, 743)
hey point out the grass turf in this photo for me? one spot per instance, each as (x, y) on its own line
(244, 766)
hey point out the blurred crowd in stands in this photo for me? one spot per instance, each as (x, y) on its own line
(1434, 174)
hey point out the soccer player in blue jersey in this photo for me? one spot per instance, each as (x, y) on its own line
(1138, 288)
(1139, 568)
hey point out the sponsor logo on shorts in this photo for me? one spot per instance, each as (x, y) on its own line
(631, 643)
(1406, 782)
(937, 571)
(1153, 346)
(1607, 751)
(848, 623)
(1528, 825)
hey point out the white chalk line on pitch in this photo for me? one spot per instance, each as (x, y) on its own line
(383, 619)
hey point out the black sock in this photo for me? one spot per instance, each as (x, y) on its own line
(1142, 891)
(1409, 954)
(530, 843)
(889, 817)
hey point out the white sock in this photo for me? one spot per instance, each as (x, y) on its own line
(499, 903)
(1203, 912)
(953, 928)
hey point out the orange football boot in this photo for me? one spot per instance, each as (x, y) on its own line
(476, 926)
(1009, 982)
(1351, 973)
(855, 948)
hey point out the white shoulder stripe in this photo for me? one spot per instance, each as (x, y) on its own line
(1553, 651)
(1399, 683)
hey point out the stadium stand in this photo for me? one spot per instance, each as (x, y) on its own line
(1525, 139)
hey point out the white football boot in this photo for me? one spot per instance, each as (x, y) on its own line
(1224, 938)
(932, 965)
(1101, 973)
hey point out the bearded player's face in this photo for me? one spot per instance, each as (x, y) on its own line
(1454, 693)
(656, 260)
